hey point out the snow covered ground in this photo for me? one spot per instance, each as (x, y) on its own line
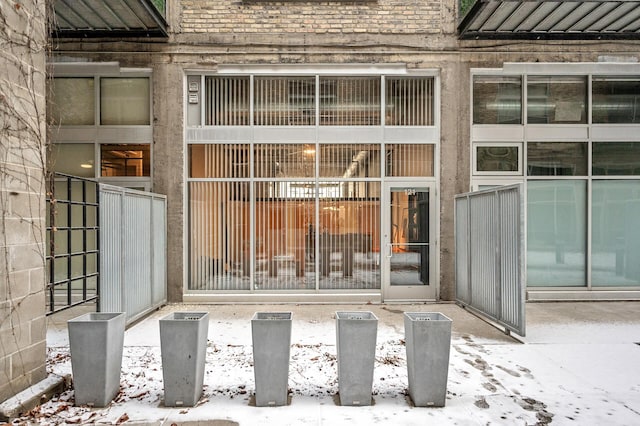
(565, 374)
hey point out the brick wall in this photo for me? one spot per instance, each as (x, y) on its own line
(257, 16)
(22, 135)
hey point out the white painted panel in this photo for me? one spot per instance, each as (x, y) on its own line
(350, 134)
(497, 133)
(618, 133)
(411, 134)
(219, 134)
(557, 133)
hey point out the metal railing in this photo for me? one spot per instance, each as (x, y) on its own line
(490, 255)
(73, 242)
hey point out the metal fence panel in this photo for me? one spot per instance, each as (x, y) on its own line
(490, 254)
(134, 251)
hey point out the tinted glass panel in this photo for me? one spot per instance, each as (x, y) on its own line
(125, 160)
(556, 159)
(556, 100)
(124, 101)
(497, 158)
(616, 158)
(616, 100)
(497, 100)
(73, 101)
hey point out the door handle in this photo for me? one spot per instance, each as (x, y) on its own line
(390, 253)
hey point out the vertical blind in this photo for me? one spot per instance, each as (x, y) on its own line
(343, 101)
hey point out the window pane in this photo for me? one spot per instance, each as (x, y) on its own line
(409, 160)
(616, 233)
(295, 160)
(497, 158)
(349, 161)
(349, 239)
(73, 101)
(284, 101)
(219, 161)
(557, 159)
(226, 101)
(125, 160)
(124, 101)
(285, 237)
(73, 159)
(497, 100)
(616, 100)
(350, 101)
(219, 236)
(616, 158)
(556, 100)
(409, 101)
(556, 233)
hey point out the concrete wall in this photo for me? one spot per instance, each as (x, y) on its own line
(422, 35)
(22, 196)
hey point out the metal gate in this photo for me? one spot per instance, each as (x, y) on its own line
(133, 247)
(490, 255)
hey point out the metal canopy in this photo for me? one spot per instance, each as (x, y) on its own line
(552, 20)
(108, 18)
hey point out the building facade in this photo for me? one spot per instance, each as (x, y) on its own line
(311, 151)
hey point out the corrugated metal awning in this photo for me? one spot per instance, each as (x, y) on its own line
(559, 20)
(109, 18)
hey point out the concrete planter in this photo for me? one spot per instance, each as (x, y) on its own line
(271, 333)
(183, 345)
(428, 342)
(95, 341)
(356, 344)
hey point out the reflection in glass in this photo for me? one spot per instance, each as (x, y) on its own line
(409, 235)
(557, 159)
(615, 158)
(615, 100)
(125, 101)
(350, 161)
(497, 158)
(554, 100)
(497, 100)
(350, 101)
(409, 160)
(615, 248)
(219, 161)
(284, 101)
(72, 101)
(74, 159)
(219, 250)
(125, 160)
(556, 233)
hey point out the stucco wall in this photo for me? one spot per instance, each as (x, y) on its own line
(22, 196)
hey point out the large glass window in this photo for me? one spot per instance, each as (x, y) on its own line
(498, 159)
(284, 101)
(219, 161)
(409, 101)
(557, 158)
(497, 100)
(349, 160)
(74, 159)
(72, 101)
(409, 160)
(280, 161)
(125, 160)
(556, 100)
(616, 158)
(125, 101)
(226, 101)
(219, 241)
(615, 233)
(556, 233)
(616, 99)
(350, 101)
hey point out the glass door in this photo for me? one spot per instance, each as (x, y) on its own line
(409, 232)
